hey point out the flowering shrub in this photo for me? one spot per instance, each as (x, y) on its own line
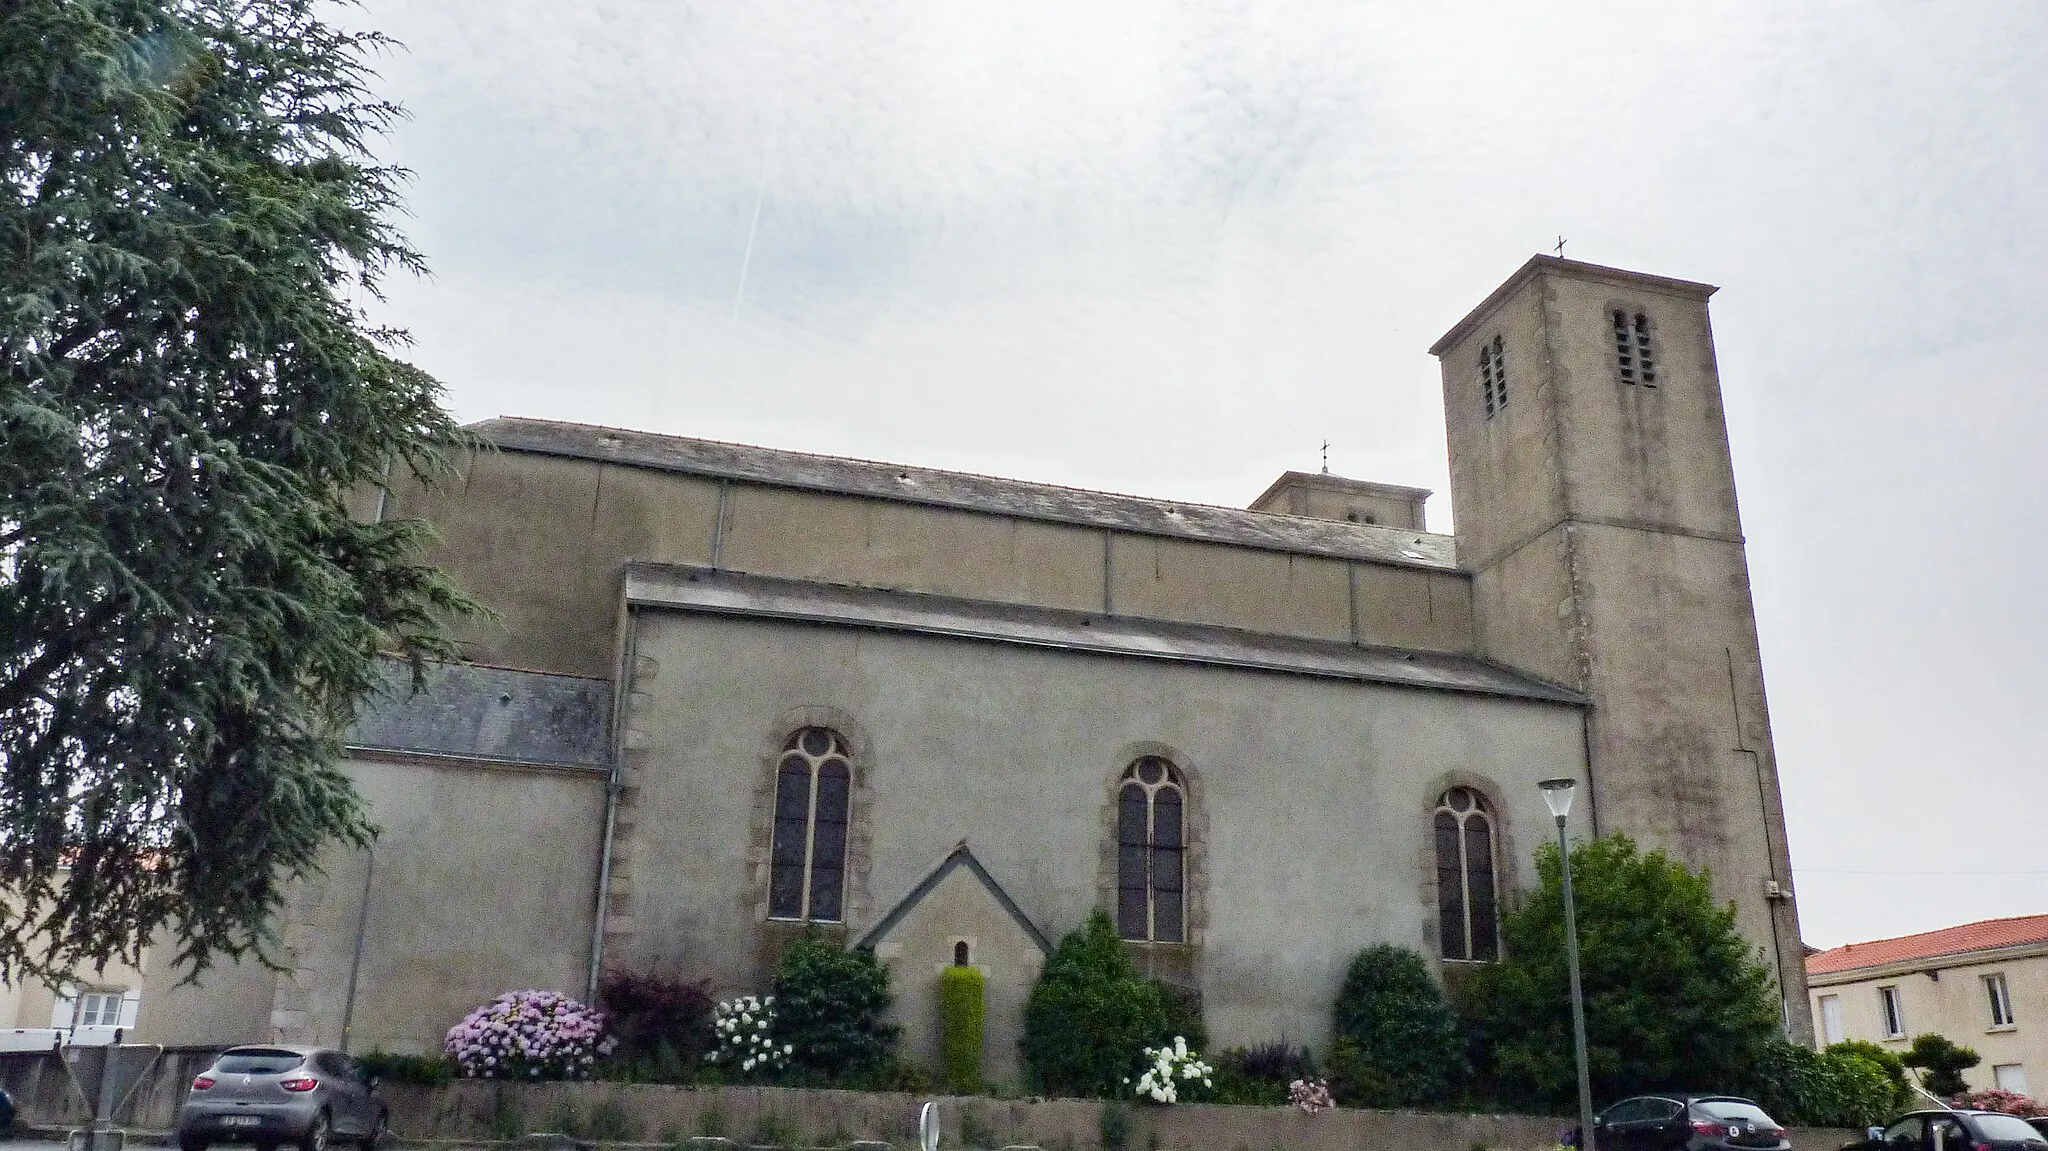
(742, 1032)
(1311, 1095)
(1994, 1099)
(529, 1035)
(1172, 1070)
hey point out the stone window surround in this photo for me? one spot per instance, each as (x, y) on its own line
(1633, 310)
(858, 902)
(1506, 881)
(1194, 833)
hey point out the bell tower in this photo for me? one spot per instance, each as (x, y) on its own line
(1594, 502)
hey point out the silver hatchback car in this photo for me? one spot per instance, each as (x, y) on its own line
(268, 1096)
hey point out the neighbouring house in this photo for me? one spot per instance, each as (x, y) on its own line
(730, 693)
(1981, 985)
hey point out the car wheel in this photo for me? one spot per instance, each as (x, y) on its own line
(316, 1135)
(378, 1130)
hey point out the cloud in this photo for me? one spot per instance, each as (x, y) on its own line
(1171, 247)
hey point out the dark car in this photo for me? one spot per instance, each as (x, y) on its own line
(1687, 1122)
(272, 1095)
(1956, 1131)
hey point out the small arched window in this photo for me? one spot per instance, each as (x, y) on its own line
(813, 786)
(1151, 852)
(1468, 911)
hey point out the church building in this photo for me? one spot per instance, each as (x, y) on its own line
(729, 693)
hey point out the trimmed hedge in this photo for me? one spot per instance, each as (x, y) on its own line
(1395, 1042)
(960, 1028)
(1091, 1016)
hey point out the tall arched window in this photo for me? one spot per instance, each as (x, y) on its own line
(1468, 912)
(813, 785)
(1151, 852)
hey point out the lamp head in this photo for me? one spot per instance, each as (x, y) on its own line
(1557, 795)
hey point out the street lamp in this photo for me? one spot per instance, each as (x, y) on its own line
(1557, 796)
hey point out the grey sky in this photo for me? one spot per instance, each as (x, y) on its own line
(1168, 248)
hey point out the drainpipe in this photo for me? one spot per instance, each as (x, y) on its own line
(355, 963)
(614, 783)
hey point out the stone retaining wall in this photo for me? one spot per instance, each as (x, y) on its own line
(473, 1113)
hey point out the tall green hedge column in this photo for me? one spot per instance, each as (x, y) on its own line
(960, 1026)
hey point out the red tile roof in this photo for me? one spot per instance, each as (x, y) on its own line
(1984, 935)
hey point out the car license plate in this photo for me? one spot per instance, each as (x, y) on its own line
(241, 1120)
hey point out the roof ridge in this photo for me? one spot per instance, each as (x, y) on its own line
(1932, 931)
(1381, 534)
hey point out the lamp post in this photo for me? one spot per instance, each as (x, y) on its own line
(1557, 796)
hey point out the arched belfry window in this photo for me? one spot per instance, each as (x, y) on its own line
(1468, 910)
(813, 787)
(1151, 852)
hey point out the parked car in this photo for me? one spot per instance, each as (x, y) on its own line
(1957, 1130)
(1686, 1122)
(273, 1095)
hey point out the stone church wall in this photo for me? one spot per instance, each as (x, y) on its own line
(542, 541)
(1310, 799)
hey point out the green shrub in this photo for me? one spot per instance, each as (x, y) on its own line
(829, 1003)
(647, 1013)
(1259, 1076)
(1675, 994)
(1839, 1087)
(1183, 1014)
(960, 1027)
(1091, 1015)
(1894, 1068)
(1943, 1061)
(422, 1070)
(1396, 1043)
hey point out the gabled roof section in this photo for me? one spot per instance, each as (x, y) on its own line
(1962, 940)
(958, 858)
(968, 491)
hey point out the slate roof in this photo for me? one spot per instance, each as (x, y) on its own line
(959, 857)
(492, 714)
(713, 592)
(968, 491)
(1984, 935)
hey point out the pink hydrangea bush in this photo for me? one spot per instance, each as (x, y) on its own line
(530, 1035)
(1995, 1099)
(1311, 1095)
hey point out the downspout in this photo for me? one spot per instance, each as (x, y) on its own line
(614, 783)
(1592, 792)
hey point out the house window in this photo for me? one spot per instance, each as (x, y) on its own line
(1831, 1018)
(1151, 841)
(813, 786)
(1468, 917)
(1493, 375)
(1632, 354)
(2001, 1000)
(1894, 1015)
(86, 1009)
(2010, 1077)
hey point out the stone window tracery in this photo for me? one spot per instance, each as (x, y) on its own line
(807, 865)
(1151, 864)
(1468, 910)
